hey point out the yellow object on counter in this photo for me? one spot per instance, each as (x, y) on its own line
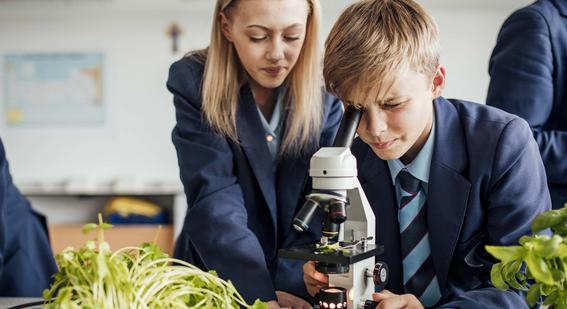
(126, 206)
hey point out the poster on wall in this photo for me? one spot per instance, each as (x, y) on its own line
(53, 88)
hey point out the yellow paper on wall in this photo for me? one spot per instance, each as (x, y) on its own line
(14, 116)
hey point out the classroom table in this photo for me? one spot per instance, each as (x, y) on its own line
(19, 302)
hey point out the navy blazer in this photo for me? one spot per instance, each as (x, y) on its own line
(486, 184)
(240, 213)
(26, 261)
(528, 70)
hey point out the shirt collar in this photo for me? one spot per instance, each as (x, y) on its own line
(420, 166)
(273, 126)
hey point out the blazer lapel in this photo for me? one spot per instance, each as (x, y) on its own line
(377, 185)
(448, 188)
(253, 141)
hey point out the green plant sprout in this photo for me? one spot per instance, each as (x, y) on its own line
(135, 277)
(541, 258)
(330, 248)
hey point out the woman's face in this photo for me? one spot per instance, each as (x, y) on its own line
(268, 36)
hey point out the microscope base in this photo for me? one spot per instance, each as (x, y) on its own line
(360, 263)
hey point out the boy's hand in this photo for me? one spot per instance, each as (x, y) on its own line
(286, 300)
(389, 300)
(313, 279)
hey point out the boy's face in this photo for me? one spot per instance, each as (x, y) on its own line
(398, 126)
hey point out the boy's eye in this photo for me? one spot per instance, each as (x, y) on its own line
(361, 108)
(357, 106)
(392, 105)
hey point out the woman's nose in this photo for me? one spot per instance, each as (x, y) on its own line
(276, 51)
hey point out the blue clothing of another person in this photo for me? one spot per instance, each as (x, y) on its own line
(26, 261)
(528, 70)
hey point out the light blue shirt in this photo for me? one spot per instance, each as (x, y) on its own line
(419, 167)
(273, 127)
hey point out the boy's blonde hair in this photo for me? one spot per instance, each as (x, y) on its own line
(224, 76)
(374, 40)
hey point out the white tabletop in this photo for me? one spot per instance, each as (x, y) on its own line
(8, 302)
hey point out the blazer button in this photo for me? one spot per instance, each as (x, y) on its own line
(269, 138)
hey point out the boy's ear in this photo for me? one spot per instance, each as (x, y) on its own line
(438, 83)
(225, 26)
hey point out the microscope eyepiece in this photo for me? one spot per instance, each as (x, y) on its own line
(303, 219)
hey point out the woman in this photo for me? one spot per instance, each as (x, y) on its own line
(250, 114)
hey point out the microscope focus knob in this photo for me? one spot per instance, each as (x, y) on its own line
(381, 275)
(369, 304)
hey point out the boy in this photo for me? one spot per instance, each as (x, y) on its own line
(444, 177)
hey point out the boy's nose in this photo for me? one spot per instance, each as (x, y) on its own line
(376, 122)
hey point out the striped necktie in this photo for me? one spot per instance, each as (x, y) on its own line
(419, 272)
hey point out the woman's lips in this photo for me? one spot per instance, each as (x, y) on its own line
(274, 71)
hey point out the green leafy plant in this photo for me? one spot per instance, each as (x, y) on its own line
(331, 248)
(541, 258)
(135, 277)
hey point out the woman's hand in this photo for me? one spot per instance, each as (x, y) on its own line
(273, 305)
(286, 300)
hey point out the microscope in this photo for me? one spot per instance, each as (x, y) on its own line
(347, 248)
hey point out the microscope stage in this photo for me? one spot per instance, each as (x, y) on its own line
(354, 254)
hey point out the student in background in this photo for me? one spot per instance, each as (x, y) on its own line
(528, 77)
(26, 261)
(444, 177)
(250, 113)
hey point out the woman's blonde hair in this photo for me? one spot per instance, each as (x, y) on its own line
(373, 41)
(224, 76)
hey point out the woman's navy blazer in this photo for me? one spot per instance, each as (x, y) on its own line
(240, 213)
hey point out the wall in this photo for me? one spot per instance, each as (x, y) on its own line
(134, 143)
(135, 140)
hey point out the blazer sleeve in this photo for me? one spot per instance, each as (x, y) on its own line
(521, 82)
(516, 193)
(3, 206)
(217, 217)
(26, 260)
